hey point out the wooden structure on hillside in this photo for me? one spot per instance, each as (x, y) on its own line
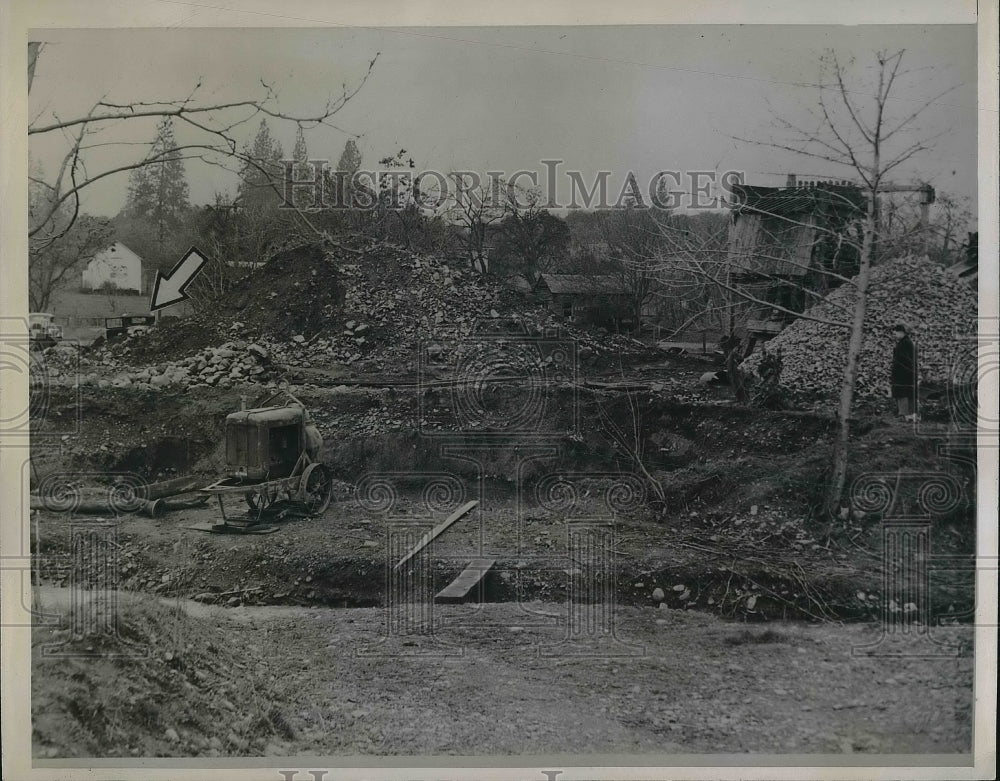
(782, 240)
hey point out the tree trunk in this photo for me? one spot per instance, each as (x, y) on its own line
(839, 476)
(38, 299)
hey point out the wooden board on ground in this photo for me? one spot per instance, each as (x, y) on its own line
(619, 386)
(460, 587)
(427, 538)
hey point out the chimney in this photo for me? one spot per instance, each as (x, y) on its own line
(790, 181)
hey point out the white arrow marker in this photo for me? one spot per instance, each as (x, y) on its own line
(170, 289)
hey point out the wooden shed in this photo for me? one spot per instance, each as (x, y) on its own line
(599, 299)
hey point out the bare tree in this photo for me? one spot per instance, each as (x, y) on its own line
(396, 214)
(530, 239)
(64, 248)
(682, 300)
(635, 239)
(56, 245)
(864, 134)
(476, 209)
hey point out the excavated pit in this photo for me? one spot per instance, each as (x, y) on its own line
(717, 464)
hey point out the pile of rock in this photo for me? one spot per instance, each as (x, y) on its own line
(232, 363)
(398, 302)
(224, 366)
(939, 309)
(395, 303)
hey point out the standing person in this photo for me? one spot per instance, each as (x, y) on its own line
(904, 373)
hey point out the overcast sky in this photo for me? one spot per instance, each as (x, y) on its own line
(622, 98)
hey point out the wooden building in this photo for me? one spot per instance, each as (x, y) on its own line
(782, 240)
(116, 267)
(599, 299)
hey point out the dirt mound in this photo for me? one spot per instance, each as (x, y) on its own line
(938, 308)
(171, 338)
(182, 687)
(298, 291)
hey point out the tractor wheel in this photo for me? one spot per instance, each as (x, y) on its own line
(316, 488)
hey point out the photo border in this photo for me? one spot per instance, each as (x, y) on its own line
(18, 16)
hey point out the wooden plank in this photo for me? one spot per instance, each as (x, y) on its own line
(427, 538)
(470, 576)
(619, 386)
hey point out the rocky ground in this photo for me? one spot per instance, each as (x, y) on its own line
(358, 314)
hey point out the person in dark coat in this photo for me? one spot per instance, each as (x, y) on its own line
(904, 373)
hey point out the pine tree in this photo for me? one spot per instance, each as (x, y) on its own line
(340, 182)
(260, 179)
(158, 190)
(350, 158)
(301, 152)
(302, 197)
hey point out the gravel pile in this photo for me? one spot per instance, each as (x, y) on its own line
(937, 307)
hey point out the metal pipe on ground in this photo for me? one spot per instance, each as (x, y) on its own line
(182, 504)
(154, 509)
(178, 485)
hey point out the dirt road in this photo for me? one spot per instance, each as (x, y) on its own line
(491, 679)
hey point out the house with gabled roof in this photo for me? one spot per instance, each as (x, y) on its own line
(115, 267)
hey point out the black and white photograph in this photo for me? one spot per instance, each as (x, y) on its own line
(535, 399)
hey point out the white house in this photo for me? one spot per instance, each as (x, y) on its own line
(117, 265)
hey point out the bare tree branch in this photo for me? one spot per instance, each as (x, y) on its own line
(203, 118)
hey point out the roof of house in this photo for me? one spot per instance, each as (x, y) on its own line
(582, 284)
(111, 250)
